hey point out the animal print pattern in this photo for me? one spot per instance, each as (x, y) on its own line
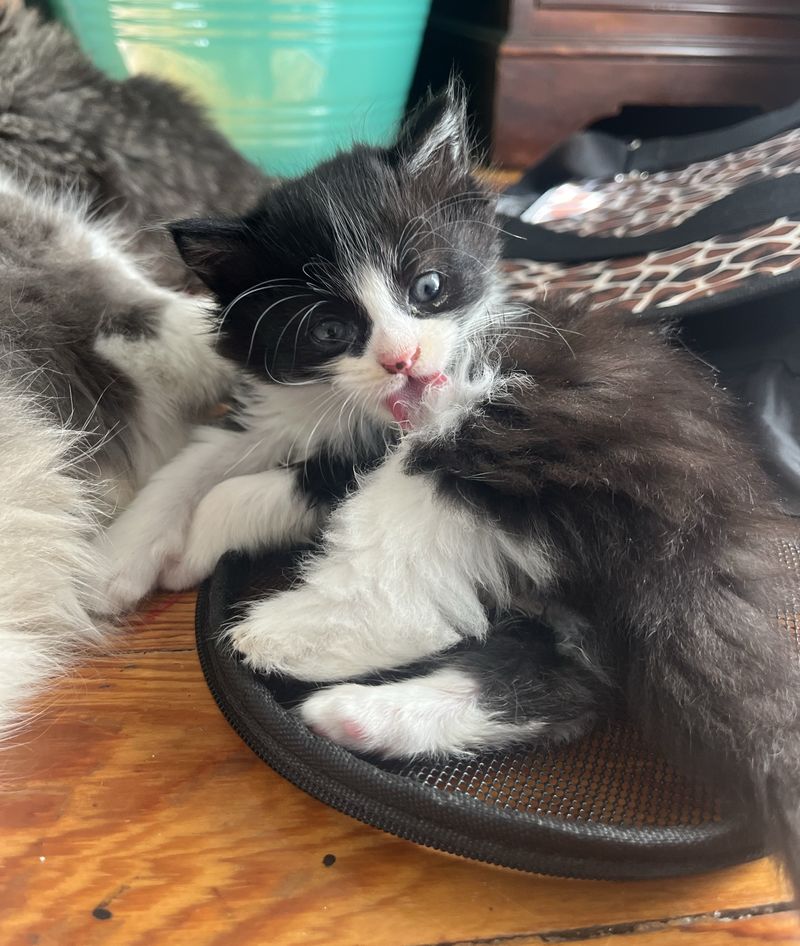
(666, 278)
(638, 202)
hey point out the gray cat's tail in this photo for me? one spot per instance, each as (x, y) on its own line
(48, 569)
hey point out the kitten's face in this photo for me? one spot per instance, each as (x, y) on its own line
(371, 272)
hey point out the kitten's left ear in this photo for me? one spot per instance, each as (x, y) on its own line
(436, 133)
(218, 251)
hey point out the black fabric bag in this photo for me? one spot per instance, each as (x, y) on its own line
(595, 155)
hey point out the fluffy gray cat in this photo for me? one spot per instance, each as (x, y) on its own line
(103, 366)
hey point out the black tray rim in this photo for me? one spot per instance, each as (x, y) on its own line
(451, 822)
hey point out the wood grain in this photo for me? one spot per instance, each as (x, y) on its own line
(778, 929)
(752, 7)
(131, 815)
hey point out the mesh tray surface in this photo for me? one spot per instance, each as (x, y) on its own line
(604, 806)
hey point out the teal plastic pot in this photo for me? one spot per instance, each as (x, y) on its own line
(288, 82)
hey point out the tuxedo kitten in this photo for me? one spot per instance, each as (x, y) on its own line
(569, 475)
(602, 476)
(102, 371)
(347, 295)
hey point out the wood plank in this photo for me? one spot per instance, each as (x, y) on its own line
(775, 929)
(131, 814)
(736, 7)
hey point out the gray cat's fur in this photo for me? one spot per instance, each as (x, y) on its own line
(138, 149)
(102, 370)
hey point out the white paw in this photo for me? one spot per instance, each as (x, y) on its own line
(341, 715)
(438, 714)
(121, 594)
(187, 572)
(301, 634)
(275, 637)
(204, 541)
(331, 630)
(218, 524)
(132, 570)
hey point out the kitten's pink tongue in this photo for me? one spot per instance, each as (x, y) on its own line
(404, 403)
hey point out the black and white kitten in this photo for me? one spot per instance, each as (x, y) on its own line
(585, 484)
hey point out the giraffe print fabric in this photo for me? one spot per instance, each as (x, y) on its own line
(697, 273)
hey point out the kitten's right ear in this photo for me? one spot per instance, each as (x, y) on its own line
(436, 133)
(219, 252)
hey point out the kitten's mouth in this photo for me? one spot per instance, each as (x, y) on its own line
(404, 404)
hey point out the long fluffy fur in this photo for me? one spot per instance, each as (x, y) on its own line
(48, 516)
(630, 467)
(102, 371)
(102, 374)
(605, 453)
(593, 468)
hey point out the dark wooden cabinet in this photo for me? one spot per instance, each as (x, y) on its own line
(541, 69)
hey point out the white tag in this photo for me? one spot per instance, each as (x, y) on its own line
(563, 202)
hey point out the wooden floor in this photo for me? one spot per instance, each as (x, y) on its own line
(131, 814)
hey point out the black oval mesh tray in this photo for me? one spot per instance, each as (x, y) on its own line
(606, 806)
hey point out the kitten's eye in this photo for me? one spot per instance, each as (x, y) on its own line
(333, 333)
(426, 287)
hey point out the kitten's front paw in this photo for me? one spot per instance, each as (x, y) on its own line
(121, 594)
(187, 572)
(132, 570)
(211, 533)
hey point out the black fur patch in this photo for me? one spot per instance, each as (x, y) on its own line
(326, 479)
(522, 675)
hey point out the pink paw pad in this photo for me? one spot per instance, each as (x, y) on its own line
(354, 732)
(348, 732)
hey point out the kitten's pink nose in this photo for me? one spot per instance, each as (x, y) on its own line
(401, 363)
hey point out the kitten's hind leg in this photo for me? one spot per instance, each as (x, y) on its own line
(519, 686)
